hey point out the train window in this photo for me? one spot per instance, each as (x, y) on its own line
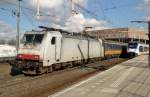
(133, 45)
(28, 38)
(106, 46)
(145, 49)
(141, 48)
(53, 41)
(33, 38)
(38, 38)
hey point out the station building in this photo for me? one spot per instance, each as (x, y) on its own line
(120, 34)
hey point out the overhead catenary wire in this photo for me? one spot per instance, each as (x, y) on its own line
(11, 11)
(117, 7)
(44, 14)
(13, 4)
(33, 11)
(54, 16)
(86, 10)
(28, 18)
(4, 9)
(103, 12)
(8, 10)
(29, 9)
(80, 7)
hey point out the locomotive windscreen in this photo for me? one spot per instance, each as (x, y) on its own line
(33, 38)
(132, 45)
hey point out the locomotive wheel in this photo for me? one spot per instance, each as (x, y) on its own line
(49, 69)
(15, 71)
(70, 65)
(40, 70)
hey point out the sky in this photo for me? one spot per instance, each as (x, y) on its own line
(99, 14)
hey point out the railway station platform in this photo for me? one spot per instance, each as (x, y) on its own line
(128, 79)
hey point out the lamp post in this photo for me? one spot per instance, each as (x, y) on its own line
(18, 26)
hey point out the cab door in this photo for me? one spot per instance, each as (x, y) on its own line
(58, 48)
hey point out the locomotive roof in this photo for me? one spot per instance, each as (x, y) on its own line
(35, 32)
(69, 35)
(77, 36)
(66, 33)
(63, 33)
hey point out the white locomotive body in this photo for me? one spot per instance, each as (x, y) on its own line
(7, 53)
(47, 50)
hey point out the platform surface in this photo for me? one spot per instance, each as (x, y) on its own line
(128, 79)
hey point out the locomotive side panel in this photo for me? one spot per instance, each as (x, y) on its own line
(96, 49)
(69, 52)
(73, 49)
(77, 49)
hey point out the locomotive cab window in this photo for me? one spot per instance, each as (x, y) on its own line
(53, 41)
(33, 38)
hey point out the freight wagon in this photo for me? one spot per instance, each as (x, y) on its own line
(7, 53)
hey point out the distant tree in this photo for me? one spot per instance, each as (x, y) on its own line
(2, 41)
(12, 42)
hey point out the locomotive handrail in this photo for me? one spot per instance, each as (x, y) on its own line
(82, 55)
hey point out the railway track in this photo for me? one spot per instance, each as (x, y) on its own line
(43, 85)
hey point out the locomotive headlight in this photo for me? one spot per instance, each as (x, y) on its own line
(28, 57)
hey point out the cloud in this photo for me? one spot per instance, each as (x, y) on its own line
(47, 3)
(61, 15)
(58, 10)
(58, 13)
(54, 3)
(145, 8)
(6, 31)
(78, 22)
(146, 1)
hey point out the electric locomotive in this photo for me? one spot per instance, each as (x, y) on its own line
(51, 49)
